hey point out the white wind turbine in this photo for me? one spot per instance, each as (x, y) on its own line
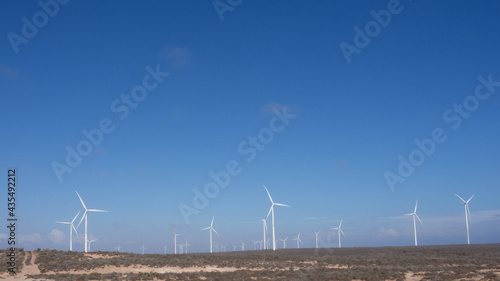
(414, 214)
(255, 244)
(118, 248)
(339, 229)
(316, 234)
(243, 246)
(284, 242)
(467, 214)
(165, 248)
(298, 240)
(264, 225)
(175, 242)
(186, 245)
(91, 242)
(143, 248)
(85, 217)
(71, 228)
(271, 211)
(211, 228)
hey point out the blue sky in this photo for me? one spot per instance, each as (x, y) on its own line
(228, 76)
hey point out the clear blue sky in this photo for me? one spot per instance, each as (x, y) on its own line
(352, 119)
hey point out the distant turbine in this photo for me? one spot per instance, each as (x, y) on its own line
(71, 228)
(255, 244)
(118, 248)
(284, 242)
(175, 243)
(317, 233)
(264, 225)
(181, 248)
(165, 247)
(271, 211)
(298, 240)
(186, 245)
(91, 242)
(243, 246)
(467, 214)
(143, 248)
(85, 217)
(211, 228)
(339, 230)
(414, 214)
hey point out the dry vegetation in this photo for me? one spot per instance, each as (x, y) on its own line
(454, 262)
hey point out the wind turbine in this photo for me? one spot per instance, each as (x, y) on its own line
(255, 244)
(284, 242)
(414, 214)
(165, 247)
(317, 233)
(85, 217)
(71, 228)
(271, 211)
(211, 228)
(118, 248)
(243, 246)
(467, 214)
(186, 244)
(264, 225)
(143, 248)
(91, 242)
(339, 229)
(175, 243)
(298, 240)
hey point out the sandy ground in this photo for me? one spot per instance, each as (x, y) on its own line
(32, 269)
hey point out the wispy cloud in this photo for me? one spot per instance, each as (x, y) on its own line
(30, 238)
(56, 236)
(384, 232)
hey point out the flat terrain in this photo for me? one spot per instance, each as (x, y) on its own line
(451, 262)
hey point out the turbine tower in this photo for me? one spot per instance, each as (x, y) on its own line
(467, 215)
(316, 234)
(165, 247)
(118, 248)
(211, 228)
(298, 240)
(143, 248)
(264, 225)
(339, 229)
(186, 244)
(271, 211)
(91, 242)
(414, 214)
(85, 217)
(243, 246)
(175, 242)
(284, 242)
(71, 228)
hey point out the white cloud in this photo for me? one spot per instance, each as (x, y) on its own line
(30, 238)
(388, 232)
(57, 236)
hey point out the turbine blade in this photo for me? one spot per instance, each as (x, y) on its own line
(212, 223)
(94, 210)
(279, 204)
(410, 214)
(419, 219)
(204, 228)
(215, 231)
(76, 232)
(470, 199)
(63, 222)
(270, 198)
(416, 203)
(468, 211)
(81, 200)
(340, 225)
(342, 232)
(270, 209)
(75, 217)
(84, 214)
(460, 198)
